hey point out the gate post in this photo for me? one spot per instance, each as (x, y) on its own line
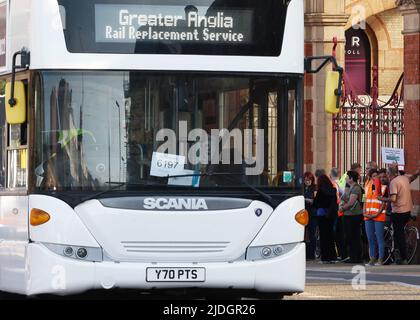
(375, 96)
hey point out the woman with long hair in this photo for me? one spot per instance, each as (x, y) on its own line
(325, 203)
(309, 183)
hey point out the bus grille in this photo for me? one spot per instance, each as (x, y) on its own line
(181, 247)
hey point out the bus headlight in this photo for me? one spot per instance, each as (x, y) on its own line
(82, 253)
(278, 250)
(68, 251)
(76, 252)
(268, 252)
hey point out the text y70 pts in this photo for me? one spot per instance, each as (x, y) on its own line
(210, 310)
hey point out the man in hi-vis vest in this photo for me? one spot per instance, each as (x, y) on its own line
(374, 213)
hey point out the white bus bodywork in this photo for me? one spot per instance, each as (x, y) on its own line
(30, 265)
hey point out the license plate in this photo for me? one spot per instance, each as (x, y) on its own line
(176, 275)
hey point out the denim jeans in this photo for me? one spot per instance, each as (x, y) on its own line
(375, 235)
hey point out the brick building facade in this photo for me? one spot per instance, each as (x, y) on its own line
(393, 30)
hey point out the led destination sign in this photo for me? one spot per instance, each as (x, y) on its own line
(179, 24)
(193, 27)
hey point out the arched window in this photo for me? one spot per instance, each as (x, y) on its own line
(358, 60)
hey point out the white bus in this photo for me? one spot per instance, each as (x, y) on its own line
(107, 110)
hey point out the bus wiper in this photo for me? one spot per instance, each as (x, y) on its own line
(118, 185)
(232, 176)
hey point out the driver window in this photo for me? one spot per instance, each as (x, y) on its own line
(17, 155)
(14, 151)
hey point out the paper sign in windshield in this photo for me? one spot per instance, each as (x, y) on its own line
(189, 181)
(164, 165)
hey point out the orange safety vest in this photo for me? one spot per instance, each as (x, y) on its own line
(373, 204)
(337, 187)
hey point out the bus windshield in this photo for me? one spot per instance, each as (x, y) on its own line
(98, 129)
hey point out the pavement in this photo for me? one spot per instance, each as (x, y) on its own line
(358, 282)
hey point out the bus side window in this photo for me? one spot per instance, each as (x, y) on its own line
(3, 132)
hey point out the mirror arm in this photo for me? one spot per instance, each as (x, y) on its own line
(25, 57)
(327, 59)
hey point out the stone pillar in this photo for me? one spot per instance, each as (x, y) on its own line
(410, 9)
(324, 20)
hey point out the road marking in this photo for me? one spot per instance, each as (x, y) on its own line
(327, 278)
(395, 283)
(367, 272)
(345, 280)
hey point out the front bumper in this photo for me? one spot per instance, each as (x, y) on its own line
(49, 273)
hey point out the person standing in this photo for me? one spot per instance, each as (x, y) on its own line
(325, 201)
(356, 167)
(309, 193)
(353, 215)
(370, 166)
(368, 191)
(402, 205)
(374, 213)
(339, 224)
(320, 172)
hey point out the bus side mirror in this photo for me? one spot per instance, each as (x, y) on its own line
(333, 92)
(15, 106)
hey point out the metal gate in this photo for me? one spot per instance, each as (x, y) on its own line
(366, 123)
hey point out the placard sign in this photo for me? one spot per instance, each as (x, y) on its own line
(175, 24)
(164, 165)
(392, 155)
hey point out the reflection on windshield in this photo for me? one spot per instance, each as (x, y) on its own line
(97, 129)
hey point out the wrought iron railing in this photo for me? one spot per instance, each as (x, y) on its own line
(366, 123)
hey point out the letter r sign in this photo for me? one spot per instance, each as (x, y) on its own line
(355, 42)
